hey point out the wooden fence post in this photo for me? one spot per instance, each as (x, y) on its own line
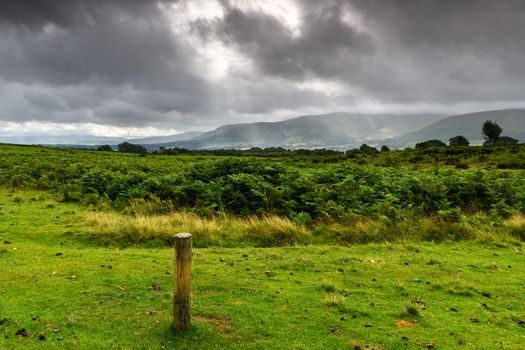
(182, 298)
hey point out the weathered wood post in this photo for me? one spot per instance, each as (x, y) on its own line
(182, 298)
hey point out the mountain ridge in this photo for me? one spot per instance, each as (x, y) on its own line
(335, 130)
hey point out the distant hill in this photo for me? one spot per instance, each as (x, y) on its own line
(166, 139)
(335, 130)
(469, 125)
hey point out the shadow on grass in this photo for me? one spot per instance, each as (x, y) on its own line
(199, 336)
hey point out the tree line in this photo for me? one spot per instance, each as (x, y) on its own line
(491, 132)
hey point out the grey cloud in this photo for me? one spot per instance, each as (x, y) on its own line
(276, 50)
(115, 43)
(401, 51)
(119, 62)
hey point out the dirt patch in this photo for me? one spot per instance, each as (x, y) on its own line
(405, 324)
(223, 324)
(235, 302)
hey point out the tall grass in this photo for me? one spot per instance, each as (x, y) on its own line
(145, 227)
(268, 231)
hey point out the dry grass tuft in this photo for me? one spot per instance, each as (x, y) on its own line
(224, 231)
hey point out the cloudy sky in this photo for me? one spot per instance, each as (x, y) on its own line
(143, 67)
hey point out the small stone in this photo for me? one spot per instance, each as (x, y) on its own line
(404, 338)
(373, 279)
(60, 338)
(357, 347)
(245, 255)
(368, 325)
(341, 269)
(509, 266)
(454, 309)
(268, 273)
(109, 267)
(56, 330)
(473, 319)
(334, 330)
(430, 346)
(406, 264)
(343, 318)
(59, 254)
(155, 288)
(520, 322)
(221, 259)
(461, 342)
(7, 242)
(41, 336)
(509, 307)
(23, 333)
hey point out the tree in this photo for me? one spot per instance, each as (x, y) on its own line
(131, 148)
(491, 131)
(430, 143)
(459, 141)
(385, 148)
(105, 148)
(368, 149)
(506, 140)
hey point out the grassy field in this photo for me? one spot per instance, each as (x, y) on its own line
(58, 289)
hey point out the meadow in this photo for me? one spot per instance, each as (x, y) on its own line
(404, 249)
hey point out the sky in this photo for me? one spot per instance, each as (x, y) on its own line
(132, 68)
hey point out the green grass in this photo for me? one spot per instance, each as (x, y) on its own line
(388, 296)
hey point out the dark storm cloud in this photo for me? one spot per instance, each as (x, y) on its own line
(401, 50)
(101, 45)
(324, 39)
(122, 62)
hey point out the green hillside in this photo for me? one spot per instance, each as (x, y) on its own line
(336, 130)
(469, 125)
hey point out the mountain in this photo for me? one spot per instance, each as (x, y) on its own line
(335, 130)
(166, 139)
(469, 125)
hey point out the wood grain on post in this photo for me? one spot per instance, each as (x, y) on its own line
(182, 299)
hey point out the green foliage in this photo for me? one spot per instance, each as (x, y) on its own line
(303, 190)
